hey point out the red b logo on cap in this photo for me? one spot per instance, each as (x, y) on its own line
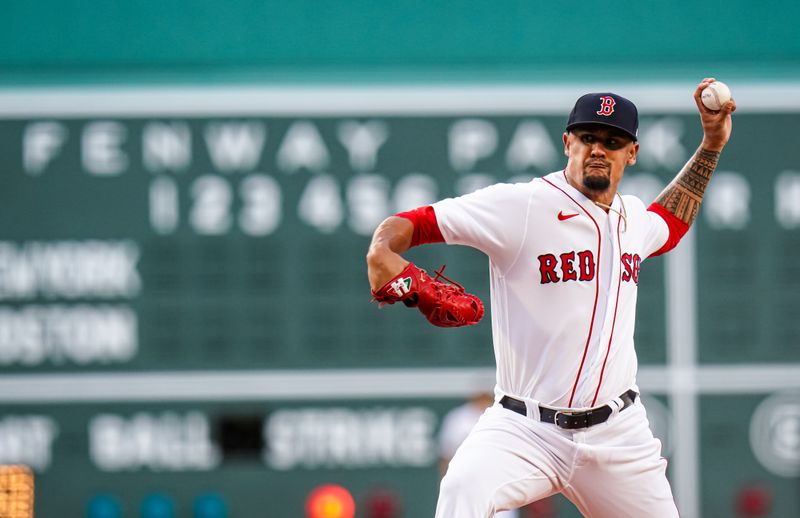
(606, 105)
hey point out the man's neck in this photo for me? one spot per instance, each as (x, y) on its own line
(603, 197)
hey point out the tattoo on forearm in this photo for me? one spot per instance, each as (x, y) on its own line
(683, 196)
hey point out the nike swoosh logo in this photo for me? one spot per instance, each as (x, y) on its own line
(562, 216)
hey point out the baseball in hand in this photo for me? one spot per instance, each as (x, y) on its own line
(715, 95)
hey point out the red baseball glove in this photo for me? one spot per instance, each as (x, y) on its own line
(444, 305)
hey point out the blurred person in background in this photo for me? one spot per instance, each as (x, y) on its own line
(457, 424)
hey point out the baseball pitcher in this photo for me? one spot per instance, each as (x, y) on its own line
(564, 252)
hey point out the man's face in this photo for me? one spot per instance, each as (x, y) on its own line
(598, 156)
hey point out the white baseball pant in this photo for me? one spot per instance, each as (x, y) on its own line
(611, 470)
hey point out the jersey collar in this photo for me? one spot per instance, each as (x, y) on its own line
(559, 178)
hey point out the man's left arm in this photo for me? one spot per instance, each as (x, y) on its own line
(683, 196)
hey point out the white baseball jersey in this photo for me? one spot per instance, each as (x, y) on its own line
(564, 276)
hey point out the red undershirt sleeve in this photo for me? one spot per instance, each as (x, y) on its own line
(677, 228)
(426, 228)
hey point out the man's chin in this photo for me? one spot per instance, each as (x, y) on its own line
(596, 183)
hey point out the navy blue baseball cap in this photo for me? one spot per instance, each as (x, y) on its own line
(608, 109)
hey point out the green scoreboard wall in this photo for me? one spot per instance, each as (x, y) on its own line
(184, 307)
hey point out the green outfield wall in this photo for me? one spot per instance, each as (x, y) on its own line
(56, 41)
(185, 308)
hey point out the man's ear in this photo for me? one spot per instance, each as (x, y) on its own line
(565, 138)
(632, 152)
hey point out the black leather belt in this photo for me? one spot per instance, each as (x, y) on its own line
(567, 419)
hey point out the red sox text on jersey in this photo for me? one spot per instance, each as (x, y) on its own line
(580, 266)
